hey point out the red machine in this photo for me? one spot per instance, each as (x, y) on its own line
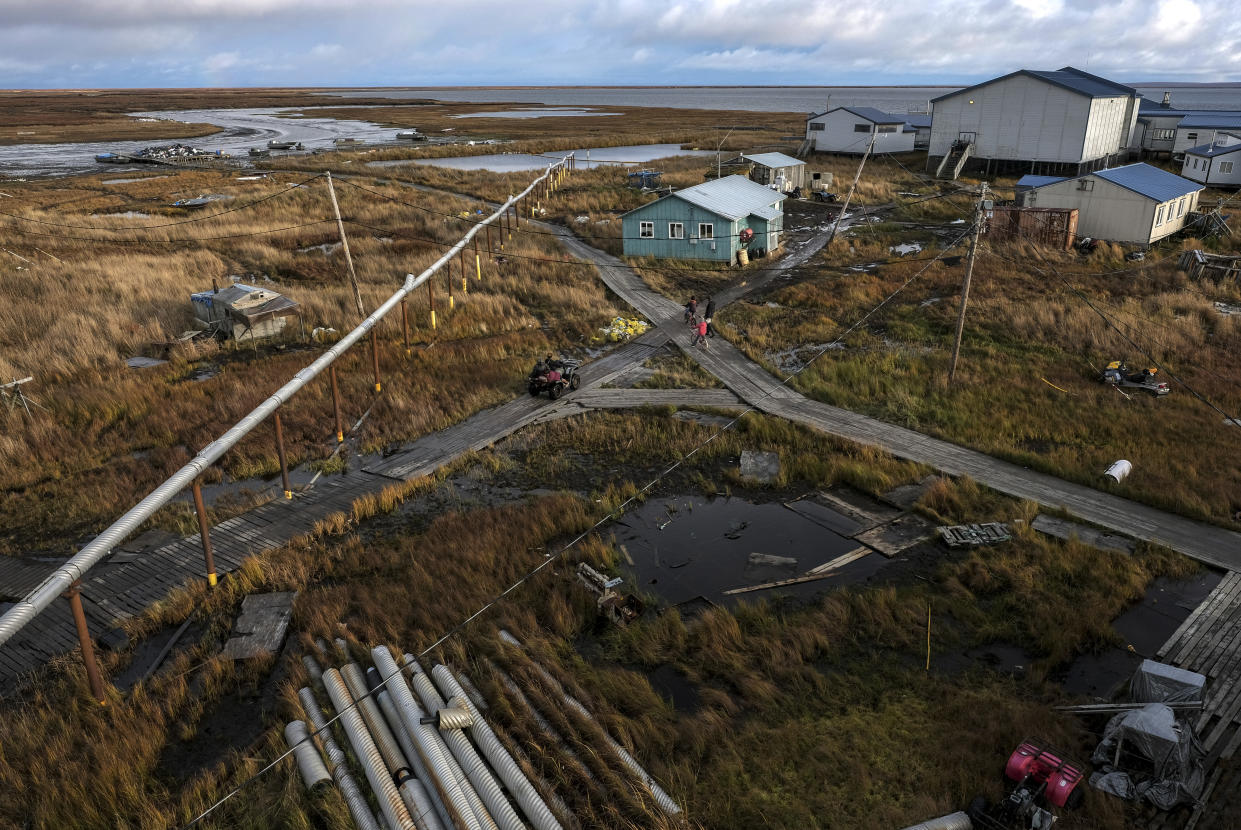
(1043, 777)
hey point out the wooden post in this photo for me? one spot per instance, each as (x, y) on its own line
(928, 636)
(340, 428)
(93, 677)
(488, 230)
(405, 324)
(205, 531)
(965, 283)
(284, 464)
(465, 283)
(452, 301)
(344, 241)
(856, 176)
(375, 357)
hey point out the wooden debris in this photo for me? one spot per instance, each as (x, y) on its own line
(260, 630)
(990, 533)
(772, 559)
(1065, 529)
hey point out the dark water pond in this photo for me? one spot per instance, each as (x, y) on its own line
(684, 547)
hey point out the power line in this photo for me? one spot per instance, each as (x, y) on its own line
(103, 241)
(615, 512)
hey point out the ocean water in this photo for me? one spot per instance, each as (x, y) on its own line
(802, 99)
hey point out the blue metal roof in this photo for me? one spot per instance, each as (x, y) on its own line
(917, 119)
(1030, 180)
(1213, 150)
(1217, 121)
(733, 197)
(774, 160)
(876, 115)
(1068, 78)
(1151, 182)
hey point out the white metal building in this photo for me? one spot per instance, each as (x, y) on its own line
(1196, 130)
(1217, 164)
(1063, 122)
(1163, 128)
(849, 130)
(777, 171)
(1136, 203)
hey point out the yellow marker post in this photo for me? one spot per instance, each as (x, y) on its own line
(432, 318)
(452, 301)
(478, 267)
(211, 580)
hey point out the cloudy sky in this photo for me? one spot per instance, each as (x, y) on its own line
(175, 43)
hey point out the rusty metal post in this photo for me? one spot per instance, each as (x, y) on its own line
(452, 301)
(431, 300)
(488, 229)
(465, 283)
(405, 324)
(74, 595)
(375, 358)
(284, 462)
(205, 532)
(340, 428)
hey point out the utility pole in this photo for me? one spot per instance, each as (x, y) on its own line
(965, 284)
(869, 147)
(717, 151)
(344, 241)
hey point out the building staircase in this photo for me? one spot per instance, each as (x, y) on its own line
(950, 165)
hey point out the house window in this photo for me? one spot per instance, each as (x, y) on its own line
(1085, 184)
(1159, 216)
(706, 230)
(861, 128)
(646, 230)
(1180, 209)
(887, 129)
(676, 230)
(817, 126)
(1191, 137)
(1225, 167)
(1164, 135)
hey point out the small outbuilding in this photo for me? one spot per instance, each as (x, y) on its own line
(708, 221)
(1217, 164)
(1136, 203)
(243, 312)
(778, 171)
(850, 130)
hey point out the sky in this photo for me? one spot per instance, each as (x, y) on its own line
(48, 44)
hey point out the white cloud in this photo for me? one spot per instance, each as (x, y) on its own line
(326, 50)
(221, 61)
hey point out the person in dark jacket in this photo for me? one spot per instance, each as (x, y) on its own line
(708, 314)
(691, 309)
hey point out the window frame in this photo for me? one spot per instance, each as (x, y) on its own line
(862, 128)
(710, 230)
(1225, 167)
(817, 126)
(646, 230)
(676, 230)
(1159, 218)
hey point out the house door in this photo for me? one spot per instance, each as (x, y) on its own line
(773, 240)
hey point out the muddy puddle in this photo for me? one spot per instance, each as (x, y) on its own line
(1144, 628)
(685, 547)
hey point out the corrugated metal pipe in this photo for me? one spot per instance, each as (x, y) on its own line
(502, 762)
(454, 716)
(354, 797)
(460, 813)
(548, 729)
(420, 806)
(495, 805)
(314, 772)
(368, 756)
(393, 718)
(312, 668)
(662, 798)
(953, 821)
(395, 760)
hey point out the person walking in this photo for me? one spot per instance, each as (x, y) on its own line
(708, 314)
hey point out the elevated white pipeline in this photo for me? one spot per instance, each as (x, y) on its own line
(502, 762)
(440, 820)
(420, 806)
(354, 797)
(952, 821)
(407, 708)
(662, 798)
(57, 582)
(385, 741)
(314, 772)
(368, 756)
(484, 782)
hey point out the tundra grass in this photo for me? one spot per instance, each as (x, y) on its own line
(804, 711)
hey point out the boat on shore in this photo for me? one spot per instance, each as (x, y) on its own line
(347, 142)
(275, 144)
(111, 158)
(411, 135)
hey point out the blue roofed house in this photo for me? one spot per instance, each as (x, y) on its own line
(851, 129)
(706, 222)
(1217, 164)
(1063, 122)
(1136, 203)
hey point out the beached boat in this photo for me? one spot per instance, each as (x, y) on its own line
(111, 158)
(347, 142)
(280, 145)
(411, 135)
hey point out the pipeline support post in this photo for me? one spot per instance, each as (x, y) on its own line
(204, 531)
(452, 301)
(431, 300)
(74, 595)
(340, 427)
(375, 358)
(405, 324)
(465, 283)
(284, 464)
(478, 263)
(487, 229)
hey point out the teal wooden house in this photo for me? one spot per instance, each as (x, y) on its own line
(707, 222)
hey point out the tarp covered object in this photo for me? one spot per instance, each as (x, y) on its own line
(1147, 754)
(1160, 683)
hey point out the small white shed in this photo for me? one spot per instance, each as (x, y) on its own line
(1136, 203)
(1217, 164)
(777, 171)
(243, 312)
(850, 129)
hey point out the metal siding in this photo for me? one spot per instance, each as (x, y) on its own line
(1109, 211)
(838, 136)
(672, 209)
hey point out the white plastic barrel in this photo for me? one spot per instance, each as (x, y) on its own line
(1118, 470)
